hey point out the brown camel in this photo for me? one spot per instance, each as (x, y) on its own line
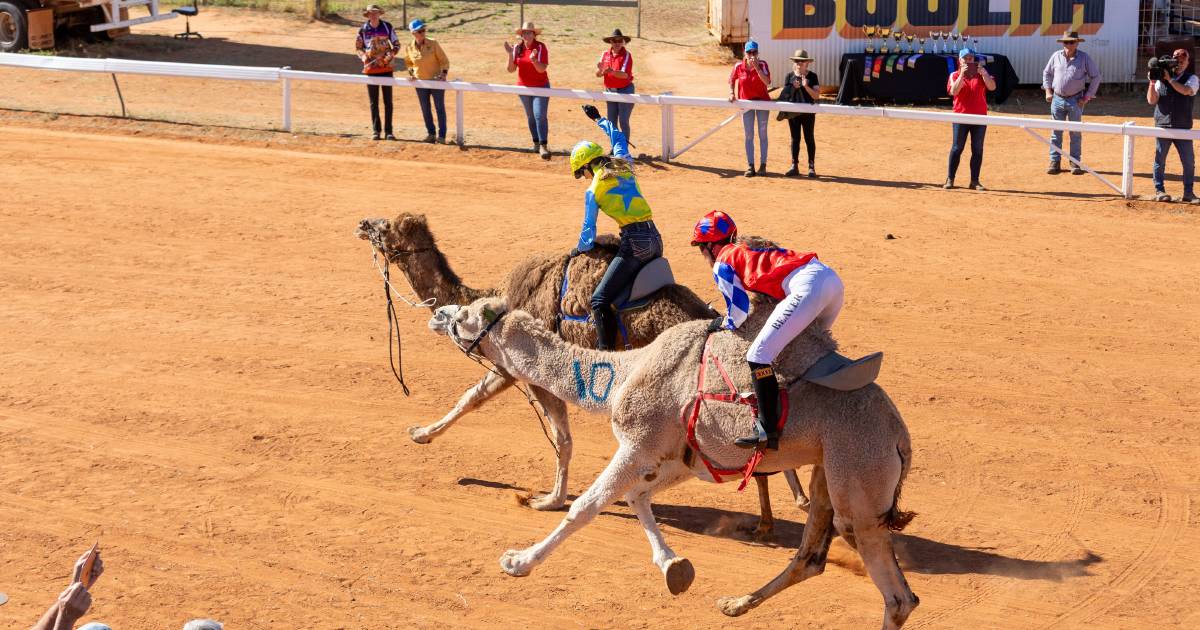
(533, 285)
(856, 440)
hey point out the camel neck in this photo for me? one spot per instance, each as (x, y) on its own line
(430, 276)
(589, 378)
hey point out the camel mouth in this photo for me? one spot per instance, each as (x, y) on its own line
(442, 318)
(370, 229)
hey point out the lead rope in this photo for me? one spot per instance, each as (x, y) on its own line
(534, 403)
(396, 362)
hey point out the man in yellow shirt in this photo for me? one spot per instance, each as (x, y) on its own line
(427, 61)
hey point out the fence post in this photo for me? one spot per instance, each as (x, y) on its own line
(668, 130)
(639, 19)
(1127, 165)
(459, 134)
(287, 100)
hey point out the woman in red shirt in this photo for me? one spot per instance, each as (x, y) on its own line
(616, 67)
(529, 59)
(749, 81)
(968, 86)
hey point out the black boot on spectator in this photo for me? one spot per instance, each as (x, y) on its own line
(794, 171)
(1054, 169)
(762, 169)
(749, 171)
(1077, 171)
(812, 170)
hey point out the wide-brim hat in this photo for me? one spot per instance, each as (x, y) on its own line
(372, 7)
(617, 34)
(1071, 36)
(800, 55)
(528, 26)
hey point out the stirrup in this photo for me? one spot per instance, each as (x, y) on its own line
(761, 438)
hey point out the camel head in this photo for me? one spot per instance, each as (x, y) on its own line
(469, 326)
(393, 238)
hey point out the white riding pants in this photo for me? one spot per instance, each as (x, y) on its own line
(814, 293)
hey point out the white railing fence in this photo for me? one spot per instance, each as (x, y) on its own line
(666, 102)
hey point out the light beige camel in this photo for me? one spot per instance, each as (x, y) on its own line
(534, 285)
(856, 440)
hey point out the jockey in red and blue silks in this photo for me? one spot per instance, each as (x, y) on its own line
(615, 192)
(807, 291)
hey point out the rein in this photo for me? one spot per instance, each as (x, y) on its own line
(469, 351)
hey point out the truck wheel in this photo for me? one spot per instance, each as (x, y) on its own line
(14, 30)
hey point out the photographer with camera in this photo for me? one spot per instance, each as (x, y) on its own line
(968, 86)
(1172, 91)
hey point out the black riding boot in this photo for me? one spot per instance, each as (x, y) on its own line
(606, 328)
(766, 390)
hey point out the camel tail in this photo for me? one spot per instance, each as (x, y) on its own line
(896, 519)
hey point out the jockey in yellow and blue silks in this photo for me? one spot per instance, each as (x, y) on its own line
(615, 192)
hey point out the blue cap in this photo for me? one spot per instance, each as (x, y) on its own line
(751, 45)
(964, 52)
(416, 25)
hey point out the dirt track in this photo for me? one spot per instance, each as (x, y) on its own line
(194, 373)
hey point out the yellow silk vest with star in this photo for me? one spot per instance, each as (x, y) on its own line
(619, 196)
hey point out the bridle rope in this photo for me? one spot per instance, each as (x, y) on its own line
(484, 362)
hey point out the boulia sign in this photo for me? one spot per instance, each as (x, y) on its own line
(817, 19)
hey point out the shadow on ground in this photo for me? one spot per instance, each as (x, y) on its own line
(916, 554)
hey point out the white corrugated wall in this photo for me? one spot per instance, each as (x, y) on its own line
(728, 20)
(1114, 46)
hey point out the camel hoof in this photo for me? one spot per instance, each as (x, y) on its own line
(762, 532)
(547, 503)
(802, 503)
(680, 574)
(510, 564)
(735, 606)
(419, 435)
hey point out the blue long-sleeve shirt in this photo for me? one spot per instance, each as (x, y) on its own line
(623, 189)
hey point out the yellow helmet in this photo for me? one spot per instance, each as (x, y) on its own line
(583, 154)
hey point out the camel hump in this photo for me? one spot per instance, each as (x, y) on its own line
(844, 374)
(654, 276)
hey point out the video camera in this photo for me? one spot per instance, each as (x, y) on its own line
(1162, 67)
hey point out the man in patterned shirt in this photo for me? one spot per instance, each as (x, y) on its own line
(377, 46)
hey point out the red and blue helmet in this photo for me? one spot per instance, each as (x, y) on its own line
(714, 227)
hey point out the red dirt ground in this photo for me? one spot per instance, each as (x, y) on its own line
(195, 375)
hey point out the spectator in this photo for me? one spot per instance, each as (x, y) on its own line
(74, 602)
(968, 86)
(616, 66)
(801, 86)
(748, 82)
(529, 59)
(377, 46)
(427, 61)
(1070, 80)
(1172, 98)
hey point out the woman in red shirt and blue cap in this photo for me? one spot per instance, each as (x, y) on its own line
(807, 291)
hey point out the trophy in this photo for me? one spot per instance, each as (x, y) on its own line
(921, 49)
(898, 35)
(910, 41)
(965, 40)
(935, 38)
(885, 33)
(954, 38)
(975, 40)
(870, 32)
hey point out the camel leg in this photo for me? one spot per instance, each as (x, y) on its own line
(556, 412)
(875, 547)
(678, 572)
(765, 529)
(618, 477)
(809, 559)
(797, 489)
(487, 387)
